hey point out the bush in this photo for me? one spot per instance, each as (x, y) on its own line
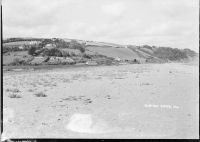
(44, 42)
(75, 45)
(87, 56)
(40, 94)
(18, 61)
(32, 50)
(11, 49)
(15, 90)
(5, 49)
(65, 54)
(53, 52)
(39, 51)
(189, 52)
(170, 53)
(147, 46)
(72, 54)
(60, 43)
(82, 49)
(14, 96)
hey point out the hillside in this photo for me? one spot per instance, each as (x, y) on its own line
(81, 51)
(123, 53)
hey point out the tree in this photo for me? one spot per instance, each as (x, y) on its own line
(45, 42)
(75, 45)
(65, 54)
(18, 61)
(82, 49)
(32, 50)
(60, 43)
(53, 52)
(87, 56)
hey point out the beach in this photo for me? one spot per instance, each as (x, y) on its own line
(126, 101)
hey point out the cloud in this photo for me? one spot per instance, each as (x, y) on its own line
(167, 23)
(114, 9)
(28, 13)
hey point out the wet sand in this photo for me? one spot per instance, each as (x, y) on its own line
(128, 101)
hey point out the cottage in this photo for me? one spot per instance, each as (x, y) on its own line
(118, 59)
(21, 47)
(92, 63)
(33, 42)
(53, 61)
(67, 61)
(49, 46)
(38, 60)
(60, 60)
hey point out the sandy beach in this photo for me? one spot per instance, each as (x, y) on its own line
(127, 101)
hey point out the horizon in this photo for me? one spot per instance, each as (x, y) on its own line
(160, 23)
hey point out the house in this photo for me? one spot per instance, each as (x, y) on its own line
(67, 60)
(132, 61)
(53, 61)
(33, 42)
(60, 60)
(91, 63)
(49, 46)
(118, 59)
(38, 60)
(21, 47)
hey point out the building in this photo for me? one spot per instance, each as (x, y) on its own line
(118, 59)
(33, 42)
(92, 63)
(21, 47)
(60, 60)
(38, 60)
(49, 46)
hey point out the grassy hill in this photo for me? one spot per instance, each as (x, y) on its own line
(123, 53)
(82, 51)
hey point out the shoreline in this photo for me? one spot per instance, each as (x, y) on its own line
(29, 68)
(49, 67)
(23, 69)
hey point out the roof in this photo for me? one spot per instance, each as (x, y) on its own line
(91, 63)
(50, 46)
(38, 60)
(58, 60)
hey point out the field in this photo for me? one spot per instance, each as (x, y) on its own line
(123, 53)
(102, 44)
(20, 43)
(127, 101)
(11, 56)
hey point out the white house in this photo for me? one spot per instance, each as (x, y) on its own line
(91, 63)
(49, 46)
(33, 42)
(117, 59)
(21, 47)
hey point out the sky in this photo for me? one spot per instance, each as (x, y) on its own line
(171, 23)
